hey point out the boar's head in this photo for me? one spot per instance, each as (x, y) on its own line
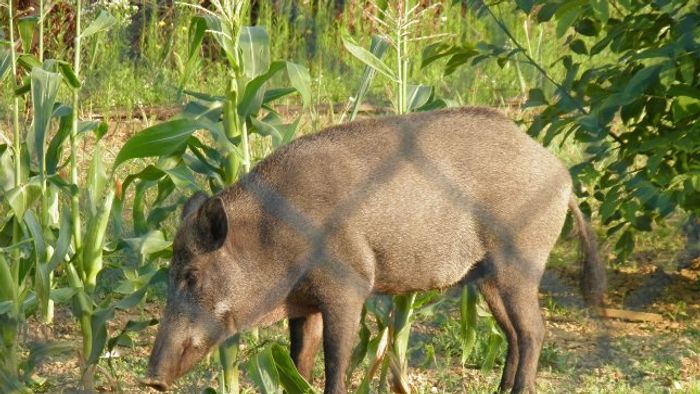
(194, 321)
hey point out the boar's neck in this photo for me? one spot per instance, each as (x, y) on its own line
(269, 256)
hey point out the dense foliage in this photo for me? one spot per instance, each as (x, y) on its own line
(630, 92)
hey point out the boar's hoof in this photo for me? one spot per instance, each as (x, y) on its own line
(155, 383)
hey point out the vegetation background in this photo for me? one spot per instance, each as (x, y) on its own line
(113, 112)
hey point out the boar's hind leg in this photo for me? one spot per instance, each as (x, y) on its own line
(305, 334)
(518, 292)
(493, 298)
(341, 321)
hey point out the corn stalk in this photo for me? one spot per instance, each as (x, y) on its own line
(396, 26)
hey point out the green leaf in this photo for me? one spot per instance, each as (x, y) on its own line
(53, 153)
(22, 197)
(198, 27)
(262, 370)
(525, 5)
(8, 288)
(289, 377)
(254, 44)
(417, 96)
(26, 26)
(378, 49)
(103, 22)
(535, 98)
(600, 9)
(28, 62)
(64, 240)
(567, 13)
(579, 47)
(44, 90)
(369, 59)
(641, 80)
(183, 178)
(96, 178)
(160, 140)
(94, 240)
(253, 95)
(684, 107)
(98, 324)
(467, 320)
(5, 63)
(301, 81)
(67, 71)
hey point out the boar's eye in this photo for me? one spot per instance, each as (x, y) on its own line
(190, 279)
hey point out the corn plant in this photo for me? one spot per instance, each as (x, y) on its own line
(395, 27)
(229, 119)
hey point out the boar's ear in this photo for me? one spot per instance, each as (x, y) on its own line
(193, 204)
(212, 224)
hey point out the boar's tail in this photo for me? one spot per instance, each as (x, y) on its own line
(593, 272)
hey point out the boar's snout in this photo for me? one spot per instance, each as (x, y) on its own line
(155, 383)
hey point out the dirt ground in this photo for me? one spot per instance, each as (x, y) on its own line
(582, 354)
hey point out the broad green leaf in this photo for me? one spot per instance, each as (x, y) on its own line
(254, 44)
(254, 92)
(7, 167)
(417, 96)
(22, 197)
(41, 274)
(67, 71)
(28, 62)
(98, 325)
(63, 242)
(378, 49)
(493, 348)
(525, 5)
(467, 320)
(63, 294)
(5, 63)
(26, 26)
(96, 177)
(198, 27)
(53, 152)
(8, 288)
(601, 9)
(289, 377)
(267, 129)
(369, 59)
(567, 13)
(94, 240)
(183, 178)
(301, 80)
(262, 370)
(104, 21)
(535, 98)
(44, 89)
(160, 140)
(150, 243)
(684, 107)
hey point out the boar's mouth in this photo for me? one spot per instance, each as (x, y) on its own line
(156, 383)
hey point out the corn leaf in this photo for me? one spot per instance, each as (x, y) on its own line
(103, 22)
(44, 89)
(262, 370)
(369, 59)
(254, 44)
(162, 139)
(289, 377)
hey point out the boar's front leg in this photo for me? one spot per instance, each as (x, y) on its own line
(341, 321)
(305, 334)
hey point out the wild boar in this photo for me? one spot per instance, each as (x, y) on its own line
(388, 205)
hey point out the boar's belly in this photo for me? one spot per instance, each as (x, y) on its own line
(426, 257)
